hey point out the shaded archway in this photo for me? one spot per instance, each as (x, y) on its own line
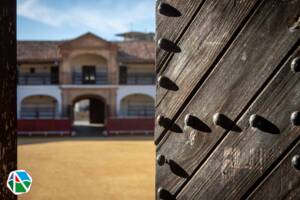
(89, 110)
(39, 107)
(137, 105)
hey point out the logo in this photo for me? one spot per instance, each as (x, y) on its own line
(19, 182)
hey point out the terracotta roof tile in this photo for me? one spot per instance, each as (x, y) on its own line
(48, 51)
(30, 51)
(136, 51)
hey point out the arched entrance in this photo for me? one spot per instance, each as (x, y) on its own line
(137, 105)
(39, 107)
(89, 111)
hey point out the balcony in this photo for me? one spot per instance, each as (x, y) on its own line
(37, 79)
(140, 111)
(138, 79)
(96, 79)
(38, 113)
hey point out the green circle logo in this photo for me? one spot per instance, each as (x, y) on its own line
(19, 182)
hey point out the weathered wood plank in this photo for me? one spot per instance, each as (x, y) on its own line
(247, 67)
(213, 28)
(243, 157)
(8, 64)
(170, 27)
(283, 182)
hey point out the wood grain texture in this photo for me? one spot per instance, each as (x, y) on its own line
(283, 182)
(8, 138)
(213, 28)
(243, 157)
(246, 68)
(172, 28)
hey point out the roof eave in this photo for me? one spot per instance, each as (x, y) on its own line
(37, 61)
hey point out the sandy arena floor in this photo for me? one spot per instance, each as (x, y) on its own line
(88, 168)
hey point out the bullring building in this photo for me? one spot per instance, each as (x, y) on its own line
(87, 82)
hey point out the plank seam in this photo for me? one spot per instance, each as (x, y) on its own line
(162, 67)
(251, 101)
(207, 74)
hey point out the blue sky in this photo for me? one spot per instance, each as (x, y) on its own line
(65, 19)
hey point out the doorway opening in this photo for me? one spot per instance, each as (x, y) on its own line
(89, 111)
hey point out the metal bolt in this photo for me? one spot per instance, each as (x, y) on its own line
(162, 81)
(254, 121)
(160, 192)
(164, 194)
(295, 118)
(164, 44)
(217, 119)
(168, 45)
(166, 83)
(160, 119)
(168, 10)
(295, 65)
(161, 160)
(189, 120)
(296, 162)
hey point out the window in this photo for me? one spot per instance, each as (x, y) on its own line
(32, 70)
(123, 75)
(89, 74)
(54, 75)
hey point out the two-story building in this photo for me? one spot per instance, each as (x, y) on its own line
(86, 82)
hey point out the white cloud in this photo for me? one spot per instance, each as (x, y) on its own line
(31, 9)
(99, 18)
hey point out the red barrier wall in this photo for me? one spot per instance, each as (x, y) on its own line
(114, 125)
(44, 125)
(130, 125)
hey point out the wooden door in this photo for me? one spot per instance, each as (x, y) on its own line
(97, 111)
(228, 96)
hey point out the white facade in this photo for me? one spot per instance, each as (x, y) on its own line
(126, 90)
(123, 91)
(24, 91)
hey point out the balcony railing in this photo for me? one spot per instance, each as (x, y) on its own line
(37, 79)
(140, 111)
(99, 79)
(139, 79)
(38, 113)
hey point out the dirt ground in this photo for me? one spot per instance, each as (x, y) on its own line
(88, 168)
